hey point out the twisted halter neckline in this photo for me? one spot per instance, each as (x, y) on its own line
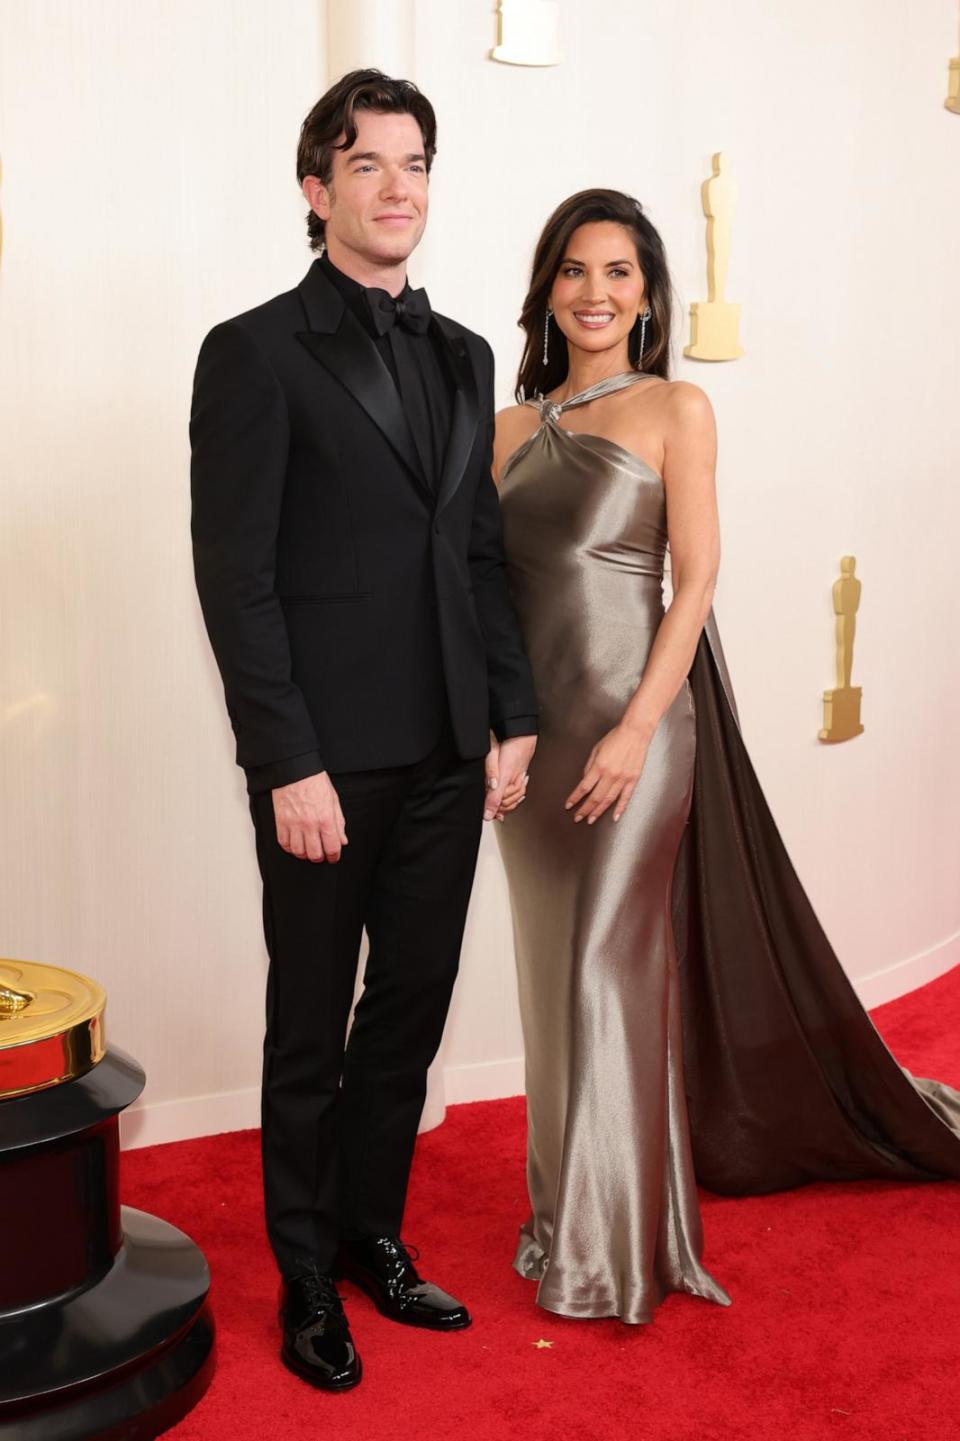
(551, 409)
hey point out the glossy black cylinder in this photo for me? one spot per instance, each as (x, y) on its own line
(104, 1328)
(60, 1213)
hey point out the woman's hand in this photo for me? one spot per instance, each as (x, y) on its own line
(611, 774)
(506, 775)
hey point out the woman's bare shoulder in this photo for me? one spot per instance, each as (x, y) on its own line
(679, 409)
(514, 425)
(517, 420)
(687, 403)
(678, 395)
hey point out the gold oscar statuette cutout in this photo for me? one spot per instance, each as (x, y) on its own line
(714, 322)
(952, 101)
(841, 706)
(528, 32)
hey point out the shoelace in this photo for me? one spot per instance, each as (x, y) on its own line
(402, 1256)
(319, 1292)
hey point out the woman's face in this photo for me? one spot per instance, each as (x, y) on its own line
(599, 289)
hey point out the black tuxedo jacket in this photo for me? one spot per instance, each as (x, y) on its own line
(351, 608)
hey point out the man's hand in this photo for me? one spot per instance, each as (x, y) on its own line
(310, 823)
(506, 770)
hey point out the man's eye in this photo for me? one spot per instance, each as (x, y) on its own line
(361, 168)
(417, 168)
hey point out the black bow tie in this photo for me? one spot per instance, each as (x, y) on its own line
(411, 309)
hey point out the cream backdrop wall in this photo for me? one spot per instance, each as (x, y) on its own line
(148, 191)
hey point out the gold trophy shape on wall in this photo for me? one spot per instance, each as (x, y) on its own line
(715, 322)
(841, 706)
(952, 101)
(528, 32)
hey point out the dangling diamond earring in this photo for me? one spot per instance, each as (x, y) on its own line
(643, 335)
(546, 335)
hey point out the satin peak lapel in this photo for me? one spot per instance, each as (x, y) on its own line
(352, 358)
(466, 412)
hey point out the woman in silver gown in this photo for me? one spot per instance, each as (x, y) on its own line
(684, 1017)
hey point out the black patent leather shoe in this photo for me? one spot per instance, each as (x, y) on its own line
(317, 1345)
(382, 1266)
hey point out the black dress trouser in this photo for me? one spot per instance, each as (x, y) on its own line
(340, 1116)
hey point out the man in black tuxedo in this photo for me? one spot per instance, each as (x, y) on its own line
(350, 569)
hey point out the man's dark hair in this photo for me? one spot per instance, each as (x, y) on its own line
(334, 115)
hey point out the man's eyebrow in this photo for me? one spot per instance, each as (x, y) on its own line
(376, 156)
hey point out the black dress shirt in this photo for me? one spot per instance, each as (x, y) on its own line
(418, 368)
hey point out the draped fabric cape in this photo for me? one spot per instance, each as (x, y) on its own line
(787, 1079)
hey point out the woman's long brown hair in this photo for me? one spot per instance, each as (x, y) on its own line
(535, 378)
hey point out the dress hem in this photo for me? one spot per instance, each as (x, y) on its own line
(609, 1311)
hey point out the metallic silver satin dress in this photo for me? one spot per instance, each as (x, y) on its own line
(680, 931)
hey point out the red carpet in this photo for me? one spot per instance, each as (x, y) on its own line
(845, 1320)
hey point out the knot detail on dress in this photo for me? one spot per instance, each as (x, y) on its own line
(551, 410)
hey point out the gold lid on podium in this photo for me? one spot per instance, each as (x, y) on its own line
(51, 1026)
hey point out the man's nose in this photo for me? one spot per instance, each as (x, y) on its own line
(395, 185)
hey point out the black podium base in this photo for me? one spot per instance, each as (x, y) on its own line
(126, 1357)
(104, 1327)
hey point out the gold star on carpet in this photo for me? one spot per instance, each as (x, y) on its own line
(542, 1345)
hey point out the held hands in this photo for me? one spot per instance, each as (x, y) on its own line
(611, 774)
(506, 771)
(310, 823)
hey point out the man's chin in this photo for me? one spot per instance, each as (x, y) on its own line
(393, 249)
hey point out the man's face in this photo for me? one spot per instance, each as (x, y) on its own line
(376, 203)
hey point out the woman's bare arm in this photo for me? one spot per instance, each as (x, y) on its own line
(689, 475)
(616, 762)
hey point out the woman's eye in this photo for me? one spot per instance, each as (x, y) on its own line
(617, 273)
(572, 271)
